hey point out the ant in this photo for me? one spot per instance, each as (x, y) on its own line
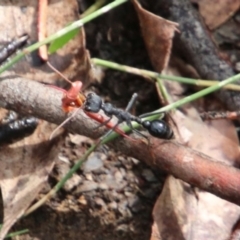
(92, 104)
(157, 128)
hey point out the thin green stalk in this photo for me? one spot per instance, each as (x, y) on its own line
(60, 33)
(155, 75)
(198, 94)
(163, 91)
(93, 7)
(14, 234)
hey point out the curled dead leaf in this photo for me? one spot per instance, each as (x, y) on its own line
(158, 35)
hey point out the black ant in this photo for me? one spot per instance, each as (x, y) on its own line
(92, 103)
(157, 128)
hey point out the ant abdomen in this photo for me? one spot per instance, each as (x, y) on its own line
(158, 128)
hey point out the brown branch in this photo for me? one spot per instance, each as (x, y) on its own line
(29, 97)
(42, 101)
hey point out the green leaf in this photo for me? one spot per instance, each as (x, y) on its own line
(61, 41)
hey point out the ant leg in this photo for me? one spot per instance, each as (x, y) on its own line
(131, 102)
(141, 134)
(110, 131)
(129, 106)
(103, 124)
(59, 73)
(138, 132)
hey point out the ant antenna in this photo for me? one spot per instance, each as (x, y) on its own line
(59, 73)
(131, 102)
(63, 123)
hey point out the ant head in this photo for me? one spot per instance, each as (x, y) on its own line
(93, 103)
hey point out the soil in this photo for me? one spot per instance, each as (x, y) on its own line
(110, 198)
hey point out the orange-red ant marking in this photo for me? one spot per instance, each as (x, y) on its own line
(73, 98)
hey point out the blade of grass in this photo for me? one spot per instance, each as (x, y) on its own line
(14, 234)
(154, 75)
(93, 8)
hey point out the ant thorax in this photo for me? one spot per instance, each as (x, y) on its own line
(110, 110)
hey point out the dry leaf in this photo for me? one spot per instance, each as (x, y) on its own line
(216, 12)
(158, 34)
(25, 166)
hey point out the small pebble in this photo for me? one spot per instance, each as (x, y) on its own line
(135, 161)
(148, 175)
(122, 227)
(89, 176)
(74, 181)
(82, 200)
(112, 205)
(103, 186)
(100, 202)
(118, 176)
(87, 186)
(94, 162)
